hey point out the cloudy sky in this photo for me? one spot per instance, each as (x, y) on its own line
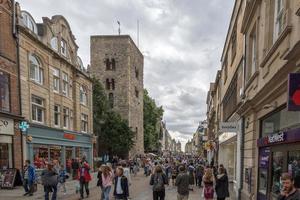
(181, 40)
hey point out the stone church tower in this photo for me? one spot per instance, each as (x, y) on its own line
(118, 64)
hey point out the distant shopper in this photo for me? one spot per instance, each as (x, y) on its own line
(49, 180)
(107, 178)
(75, 167)
(174, 173)
(222, 190)
(28, 178)
(126, 171)
(99, 182)
(208, 184)
(158, 180)
(62, 179)
(84, 178)
(289, 192)
(121, 191)
(191, 171)
(182, 183)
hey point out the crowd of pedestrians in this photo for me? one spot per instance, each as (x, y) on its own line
(114, 178)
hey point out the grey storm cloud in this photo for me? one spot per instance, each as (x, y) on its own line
(181, 40)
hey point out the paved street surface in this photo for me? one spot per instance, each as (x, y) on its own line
(139, 190)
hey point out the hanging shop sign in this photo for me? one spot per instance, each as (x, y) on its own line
(228, 127)
(294, 92)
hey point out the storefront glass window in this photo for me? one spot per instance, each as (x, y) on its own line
(55, 153)
(69, 152)
(5, 155)
(40, 153)
(279, 121)
(277, 169)
(294, 166)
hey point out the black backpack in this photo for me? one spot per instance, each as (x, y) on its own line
(159, 183)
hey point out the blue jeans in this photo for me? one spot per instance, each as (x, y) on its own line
(106, 192)
(48, 189)
(27, 186)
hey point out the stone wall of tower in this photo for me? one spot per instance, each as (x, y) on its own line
(127, 76)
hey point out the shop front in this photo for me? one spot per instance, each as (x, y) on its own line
(46, 144)
(228, 152)
(279, 152)
(6, 142)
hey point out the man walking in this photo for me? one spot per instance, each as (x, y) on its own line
(28, 178)
(182, 183)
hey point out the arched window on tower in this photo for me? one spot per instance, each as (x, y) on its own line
(113, 64)
(107, 64)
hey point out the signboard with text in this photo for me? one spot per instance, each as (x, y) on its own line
(294, 92)
(228, 127)
(6, 126)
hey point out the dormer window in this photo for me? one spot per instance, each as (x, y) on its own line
(29, 22)
(80, 64)
(63, 47)
(54, 43)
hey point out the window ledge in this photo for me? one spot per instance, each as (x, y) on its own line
(38, 122)
(275, 46)
(249, 82)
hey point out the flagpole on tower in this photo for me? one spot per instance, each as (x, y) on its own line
(119, 27)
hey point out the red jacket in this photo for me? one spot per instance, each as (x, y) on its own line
(84, 171)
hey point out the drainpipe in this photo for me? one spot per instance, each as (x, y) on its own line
(16, 36)
(241, 178)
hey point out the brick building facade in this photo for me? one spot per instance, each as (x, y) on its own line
(118, 64)
(56, 92)
(10, 113)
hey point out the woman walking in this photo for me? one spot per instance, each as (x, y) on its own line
(121, 191)
(84, 178)
(158, 180)
(222, 184)
(191, 171)
(208, 183)
(107, 177)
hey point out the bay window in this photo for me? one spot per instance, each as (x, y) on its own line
(65, 88)
(57, 115)
(83, 95)
(66, 117)
(4, 92)
(56, 80)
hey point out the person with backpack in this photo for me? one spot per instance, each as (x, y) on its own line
(50, 180)
(121, 191)
(208, 184)
(158, 180)
(182, 183)
(222, 184)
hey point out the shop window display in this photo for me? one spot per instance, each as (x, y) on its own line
(294, 166)
(40, 156)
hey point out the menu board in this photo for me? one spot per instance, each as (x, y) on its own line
(8, 178)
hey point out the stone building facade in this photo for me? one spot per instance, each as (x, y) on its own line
(261, 51)
(118, 64)
(56, 92)
(10, 112)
